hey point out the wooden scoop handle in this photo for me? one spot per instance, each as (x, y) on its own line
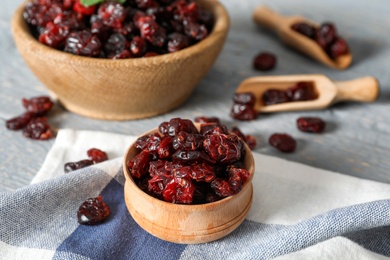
(364, 89)
(268, 18)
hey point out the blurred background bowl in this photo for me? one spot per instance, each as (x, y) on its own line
(122, 89)
(187, 224)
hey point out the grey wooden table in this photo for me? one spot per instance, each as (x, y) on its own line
(357, 139)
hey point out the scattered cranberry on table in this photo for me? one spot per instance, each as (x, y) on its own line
(283, 142)
(243, 107)
(311, 124)
(264, 61)
(201, 166)
(33, 122)
(95, 156)
(325, 36)
(118, 29)
(93, 211)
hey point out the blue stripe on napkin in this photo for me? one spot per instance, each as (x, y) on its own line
(119, 237)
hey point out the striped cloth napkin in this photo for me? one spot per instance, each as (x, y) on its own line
(298, 212)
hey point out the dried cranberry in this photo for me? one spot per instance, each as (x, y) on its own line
(325, 35)
(93, 211)
(177, 125)
(311, 124)
(98, 28)
(69, 19)
(196, 31)
(78, 7)
(237, 178)
(251, 141)
(222, 187)
(302, 91)
(113, 14)
(213, 128)
(83, 43)
(305, 29)
(39, 13)
(115, 44)
(225, 149)
(38, 129)
(97, 155)
(275, 96)
(243, 112)
(138, 166)
(283, 142)
(39, 106)
(264, 61)
(177, 42)
(186, 12)
(72, 166)
(128, 30)
(179, 190)
(188, 142)
(138, 46)
(192, 157)
(204, 119)
(163, 128)
(202, 172)
(337, 48)
(150, 54)
(158, 183)
(19, 122)
(54, 35)
(151, 142)
(165, 149)
(246, 98)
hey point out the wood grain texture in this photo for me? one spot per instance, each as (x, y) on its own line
(357, 137)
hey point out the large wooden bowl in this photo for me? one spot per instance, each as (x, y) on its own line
(187, 224)
(122, 89)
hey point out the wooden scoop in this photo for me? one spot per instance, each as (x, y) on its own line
(364, 89)
(282, 25)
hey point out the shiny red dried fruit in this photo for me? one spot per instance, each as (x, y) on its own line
(213, 128)
(202, 172)
(70, 19)
(165, 149)
(325, 35)
(302, 91)
(93, 211)
(54, 35)
(177, 125)
(225, 149)
(113, 14)
(78, 7)
(192, 157)
(205, 119)
(222, 187)
(177, 42)
(243, 112)
(283, 142)
(264, 61)
(158, 183)
(244, 98)
(179, 191)
(237, 178)
(97, 155)
(337, 48)
(19, 122)
(275, 96)
(39, 13)
(115, 44)
(305, 29)
(39, 106)
(72, 166)
(83, 43)
(188, 142)
(311, 124)
(138, 46)
(139, 165)
(38, 129)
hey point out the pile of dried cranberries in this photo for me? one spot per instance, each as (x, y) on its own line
(118, 29)
(180, 164)
(325, 36)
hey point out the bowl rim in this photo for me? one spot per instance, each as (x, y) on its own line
(187, 207)
(221, 25)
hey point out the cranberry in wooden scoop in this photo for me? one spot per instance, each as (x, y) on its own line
(326, 91)
(303, 38)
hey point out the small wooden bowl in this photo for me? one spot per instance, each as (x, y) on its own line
(122, 89)
(187, 224)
